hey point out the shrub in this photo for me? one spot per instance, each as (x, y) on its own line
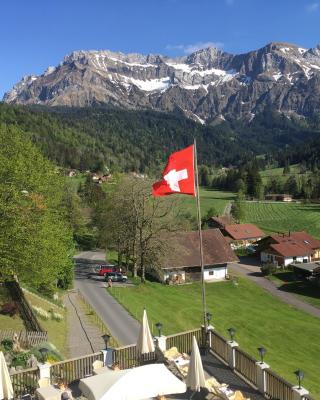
(21, 359)
(41, 313)
(268, 269)
(9, 309)
(7, 344)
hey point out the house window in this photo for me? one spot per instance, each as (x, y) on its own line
(294, 258)
(211, 272)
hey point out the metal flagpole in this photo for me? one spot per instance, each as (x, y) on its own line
(204, 305)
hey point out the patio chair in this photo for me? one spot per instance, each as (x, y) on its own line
(44, 382)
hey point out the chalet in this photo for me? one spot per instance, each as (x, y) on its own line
(182, 263)
(279, 197)
(242, 235)
(285, 249)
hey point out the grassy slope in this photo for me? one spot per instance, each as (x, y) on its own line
(7, 322)
(278, 173)
(57, 331)
(282, 217)
(291, 337)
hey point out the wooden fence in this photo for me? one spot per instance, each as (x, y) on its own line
(27, 339)
(74, 369)
(183, 341)
(219, 345)
(25, 382)
(245, 365)
(277, 387)
(26, 312)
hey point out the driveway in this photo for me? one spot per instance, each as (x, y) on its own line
(247, 268)
(123, 327)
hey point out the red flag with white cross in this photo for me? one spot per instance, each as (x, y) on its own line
(178, 175)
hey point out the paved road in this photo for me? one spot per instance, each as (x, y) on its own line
(123, 327)
(253, 273)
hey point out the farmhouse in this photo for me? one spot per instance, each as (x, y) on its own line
(285, 249)
(242, 235)
(183, 261)
(279, 197)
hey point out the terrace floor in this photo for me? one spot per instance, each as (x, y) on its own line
(213, 367)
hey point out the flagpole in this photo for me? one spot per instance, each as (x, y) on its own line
(204, 305)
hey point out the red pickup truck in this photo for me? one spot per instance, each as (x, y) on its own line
(105, 269)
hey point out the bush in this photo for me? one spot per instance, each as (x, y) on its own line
(7, 344)
(268, 269)
(9, 309)
(41, 313)
(21, 359)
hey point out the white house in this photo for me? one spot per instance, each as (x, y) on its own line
(182, 263)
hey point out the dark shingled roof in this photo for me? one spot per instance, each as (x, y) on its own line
(184, 249)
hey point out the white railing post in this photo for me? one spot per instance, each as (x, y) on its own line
(210, 329)
(261, 376)
(162, 342)
(299, 393)
(231, 353)
(44, 370)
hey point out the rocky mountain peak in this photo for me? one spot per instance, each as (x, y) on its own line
(206, 85)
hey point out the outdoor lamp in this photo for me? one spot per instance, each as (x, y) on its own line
(300, 375)
(106, 339)
(262, 352)
(44, 354)
(159, 327)
(232, 333)
(208, 317)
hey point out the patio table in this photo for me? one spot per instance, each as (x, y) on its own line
(101, 370)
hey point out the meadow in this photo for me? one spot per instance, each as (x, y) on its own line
(291, 337)
(208, 198)
(284, 217)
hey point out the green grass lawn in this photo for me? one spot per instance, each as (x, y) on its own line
(57, 331)
(291, 337)
(304, 290)
(282, 217)
(208, 198)
(278, 173)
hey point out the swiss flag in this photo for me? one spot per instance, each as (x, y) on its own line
(178, 175)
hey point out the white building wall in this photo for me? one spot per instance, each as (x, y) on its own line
(215, 273)
(290, 260)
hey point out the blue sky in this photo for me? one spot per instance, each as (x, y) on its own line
(35, 34)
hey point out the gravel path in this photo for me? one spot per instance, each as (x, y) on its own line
(253, 273)
(83, 336)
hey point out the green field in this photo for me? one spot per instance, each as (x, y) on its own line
(6, 322)
(208, 198)
(278, 173)
(291, 337)
(282, 217)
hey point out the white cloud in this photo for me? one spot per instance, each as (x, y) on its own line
(313, 7)
(191, 48)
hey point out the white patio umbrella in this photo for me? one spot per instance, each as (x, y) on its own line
(132, 384)
(195, 379)
(6, 389)
(145, 340)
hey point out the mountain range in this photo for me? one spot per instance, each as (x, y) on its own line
(208, 86)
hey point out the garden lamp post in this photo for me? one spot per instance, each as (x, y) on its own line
(262, 352)
(232, 333)
(159, 327)
(106, 339)
(208, 317)
(300, 375)
(44, 354)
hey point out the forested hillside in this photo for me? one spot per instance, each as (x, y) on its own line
(94, 138)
